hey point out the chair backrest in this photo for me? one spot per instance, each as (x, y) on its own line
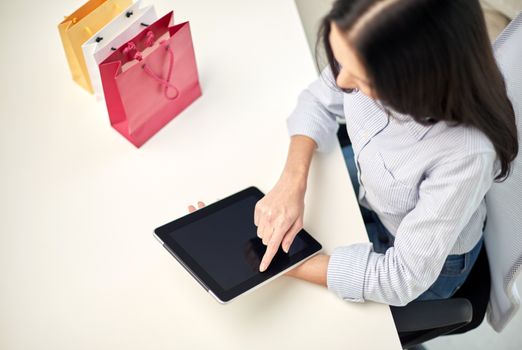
(503, 233)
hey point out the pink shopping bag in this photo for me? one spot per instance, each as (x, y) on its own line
(149, 80)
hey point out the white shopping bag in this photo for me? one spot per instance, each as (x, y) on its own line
(116, 33)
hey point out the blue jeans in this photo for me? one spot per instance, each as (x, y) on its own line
(456, 267)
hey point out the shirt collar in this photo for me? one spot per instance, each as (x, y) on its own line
(416, 129)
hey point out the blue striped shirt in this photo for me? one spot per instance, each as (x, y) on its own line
(426, 183)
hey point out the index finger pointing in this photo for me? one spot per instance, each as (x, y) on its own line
(271, 250)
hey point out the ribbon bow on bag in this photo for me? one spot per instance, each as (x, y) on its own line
(131, 52)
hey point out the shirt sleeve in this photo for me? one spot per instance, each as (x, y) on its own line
(448, 197)
(317, 107)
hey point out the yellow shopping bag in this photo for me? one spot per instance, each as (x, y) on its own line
(80, 26)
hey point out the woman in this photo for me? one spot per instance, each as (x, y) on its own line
(431, 128)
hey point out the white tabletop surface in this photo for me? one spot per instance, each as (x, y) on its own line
(79, 267)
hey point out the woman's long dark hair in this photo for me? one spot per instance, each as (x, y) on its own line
(432, 60)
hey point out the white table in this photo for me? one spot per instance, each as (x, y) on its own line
(79, 267)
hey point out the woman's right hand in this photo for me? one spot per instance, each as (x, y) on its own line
(279, 217)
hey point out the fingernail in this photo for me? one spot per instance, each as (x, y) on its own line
(262, 267)
(285, 248)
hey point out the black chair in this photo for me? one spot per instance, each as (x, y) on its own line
(421, 321)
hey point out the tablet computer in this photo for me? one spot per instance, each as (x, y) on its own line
(218, 245)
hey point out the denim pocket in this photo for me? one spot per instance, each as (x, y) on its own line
(455, 265)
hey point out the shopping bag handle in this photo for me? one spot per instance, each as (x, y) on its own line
(132, 52)
(165, 82)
